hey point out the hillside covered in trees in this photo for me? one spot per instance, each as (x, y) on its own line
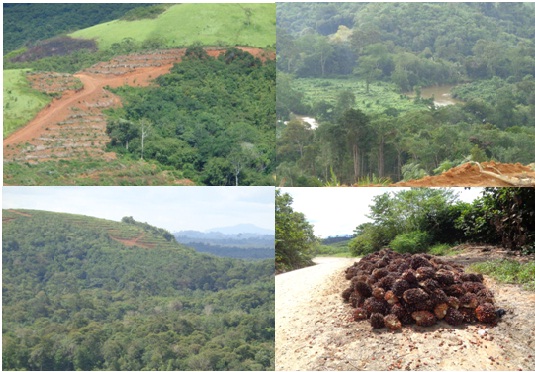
(361, 70)
(81, 293)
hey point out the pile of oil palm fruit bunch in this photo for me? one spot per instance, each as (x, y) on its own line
(392, 289)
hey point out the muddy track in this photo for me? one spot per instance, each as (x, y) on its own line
(315, 331)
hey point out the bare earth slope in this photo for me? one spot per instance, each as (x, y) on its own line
(315, 330)
(470, 175)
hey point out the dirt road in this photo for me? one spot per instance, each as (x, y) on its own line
(314, 331)
(74, 126)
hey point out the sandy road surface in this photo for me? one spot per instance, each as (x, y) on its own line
(301, 297)
(315, 332)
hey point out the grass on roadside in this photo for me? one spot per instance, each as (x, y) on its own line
(442, 250)
(509, 271)
(21, 102)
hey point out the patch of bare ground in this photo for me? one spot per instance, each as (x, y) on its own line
(73, 125)
(490, 174)
(315, 330)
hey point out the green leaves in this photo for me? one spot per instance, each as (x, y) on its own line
(294, 236)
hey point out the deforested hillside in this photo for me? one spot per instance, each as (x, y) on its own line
(375, 93)
(64, 116)
(82, 293)
(26, 24)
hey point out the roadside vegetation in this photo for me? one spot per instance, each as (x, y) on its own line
(359, 69)
(434, 221)
(21, 102)
(294, 236)
(509, 271)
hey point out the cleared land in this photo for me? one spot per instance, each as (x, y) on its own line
(74, 126)
(185, 24)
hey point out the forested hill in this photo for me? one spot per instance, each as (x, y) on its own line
(399, 91)
(82, 293)
(25, 24)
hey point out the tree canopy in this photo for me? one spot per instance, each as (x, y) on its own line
(81, 293)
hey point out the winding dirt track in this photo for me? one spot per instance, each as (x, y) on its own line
(315, 331)
(74, 126)
(52, 111)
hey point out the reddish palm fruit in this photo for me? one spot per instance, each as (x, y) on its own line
(391, 298)
(486, 313)
(392, 322)
(419, 260)
(444, 277)
(427, 305)
(399, 287)
(439, 296)
(346, 293)
(378, 293)
(425, 272)
(409, 276)
(454, 317)
(363, 289)
(387, 282)
(473, 287)
(373, 305)
(468, 300)
(424, 318)
(441, 310)
(377, 321)
(360, 314)
(429, 285)
(401, 313)
(469, 314)
(379, 273)
(455, 290)
(453, 302)
(415, 295)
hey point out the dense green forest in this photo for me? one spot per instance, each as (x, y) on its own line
(81, 293)
(211, 117)
(360, 68)
(294, 236)
(49, 20)
(433, 220)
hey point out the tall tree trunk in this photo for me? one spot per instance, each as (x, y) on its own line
(381, 159)
(356, 165)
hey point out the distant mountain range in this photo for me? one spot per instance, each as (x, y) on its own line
(245, 228)
(241, 241)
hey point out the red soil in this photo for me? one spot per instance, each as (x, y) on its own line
(73, 126)
(470, 175)
(134, 242)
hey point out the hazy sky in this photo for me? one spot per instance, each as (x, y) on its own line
(337, 211)
(171, 208)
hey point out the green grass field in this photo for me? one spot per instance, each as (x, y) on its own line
(21, 102)
(185, 24)
(381, 96)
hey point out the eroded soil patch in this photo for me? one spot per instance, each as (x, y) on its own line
(470, 175)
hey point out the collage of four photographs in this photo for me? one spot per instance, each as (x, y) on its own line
(268, 186)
